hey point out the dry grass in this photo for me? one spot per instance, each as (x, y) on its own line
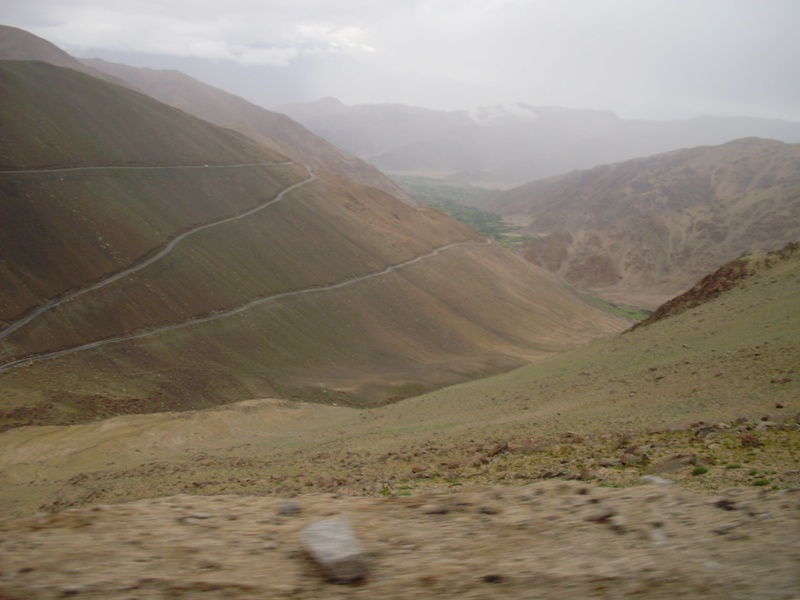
(640, 392)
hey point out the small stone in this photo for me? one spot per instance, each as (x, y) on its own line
(332, 544)
(653, 480)
(603, 515)
(210, 564)
(766, 425)
(289, 508)
(750, 441)
(725, 504)
(499, 448)
(617, 523)
(435, 509)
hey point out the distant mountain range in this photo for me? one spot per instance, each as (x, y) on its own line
(643, 230)
(266, 127)
(154, 261)
(504, 146)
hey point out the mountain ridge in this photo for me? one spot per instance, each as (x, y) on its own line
(643, 230)
(505, 146)
(269, 128)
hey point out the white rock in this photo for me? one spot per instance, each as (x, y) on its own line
(333, 545)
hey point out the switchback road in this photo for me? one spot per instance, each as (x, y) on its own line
(158, 256)
(233, 311)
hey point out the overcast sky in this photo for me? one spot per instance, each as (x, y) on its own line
(639, 58)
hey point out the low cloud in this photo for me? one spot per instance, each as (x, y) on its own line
(648, 59)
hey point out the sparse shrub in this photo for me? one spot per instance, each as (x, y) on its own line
(762, 482)
(701, 470)
(733, 466)
(752, 472)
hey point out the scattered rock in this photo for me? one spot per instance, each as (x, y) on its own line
(766, 425)
(602, 515)
(499, 448)
(725, 504)
(749, 440)
(654, 480)
(289, 508)
(333, 546)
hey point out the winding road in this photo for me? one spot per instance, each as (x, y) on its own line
(169, 247)
(159, 255)
(233, 311)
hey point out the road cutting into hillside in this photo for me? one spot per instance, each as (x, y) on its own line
(161, 253)
(140, 167)
(234, 311)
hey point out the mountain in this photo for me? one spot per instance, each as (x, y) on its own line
(642, 230)
(266, 127)
(152, 260)
(221, 108)
(18, 44)
(505, 146)
(682, 392)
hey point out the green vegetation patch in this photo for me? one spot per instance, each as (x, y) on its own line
(449, 198)
(631, 313)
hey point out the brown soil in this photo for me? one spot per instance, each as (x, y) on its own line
(706, 399)
(549, 540)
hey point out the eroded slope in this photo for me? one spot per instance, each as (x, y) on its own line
(646, 229)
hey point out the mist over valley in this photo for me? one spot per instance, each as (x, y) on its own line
(314, 286)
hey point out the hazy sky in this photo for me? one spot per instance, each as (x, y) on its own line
(640, 58)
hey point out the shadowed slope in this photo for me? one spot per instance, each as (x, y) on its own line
(175, 284)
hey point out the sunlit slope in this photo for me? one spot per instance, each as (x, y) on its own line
(159, 282)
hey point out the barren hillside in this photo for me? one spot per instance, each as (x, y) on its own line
(705, 399)
(154, 261)
(643, 230)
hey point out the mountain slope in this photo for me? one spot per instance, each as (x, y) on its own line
(271, 129)
(643, 230)
(18, 44)
(655, 394)
(138, 278)
(505, 146)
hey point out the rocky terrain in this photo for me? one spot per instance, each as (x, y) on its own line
(664, 462)
(644, 230)
(176, 422)
(546, 540)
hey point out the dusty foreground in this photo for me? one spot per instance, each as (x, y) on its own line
(545, 540)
